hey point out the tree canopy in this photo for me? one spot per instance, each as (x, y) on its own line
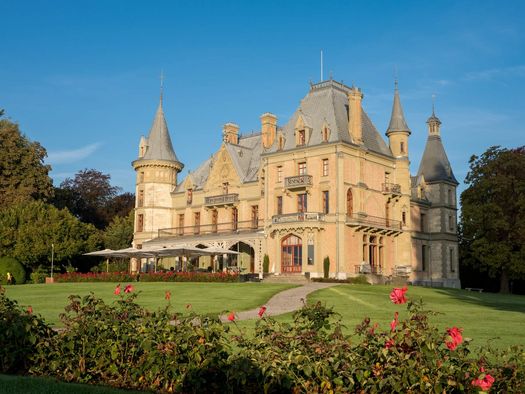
(23, 174)
(493, 214)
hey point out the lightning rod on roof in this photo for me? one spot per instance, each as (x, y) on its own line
(321, 66)
(161, 84)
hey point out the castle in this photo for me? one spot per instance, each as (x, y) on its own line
(324, 184)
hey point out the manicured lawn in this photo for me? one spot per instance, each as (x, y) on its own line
(50, 300)
(23, 384)
(483, 317)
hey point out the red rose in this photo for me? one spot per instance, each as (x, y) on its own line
(128, 289)
(398, 295)
(393, 323)
(117, 290)
(485, 383)
(30, 310)
(231, 316)
(454, 338)
(261, 311)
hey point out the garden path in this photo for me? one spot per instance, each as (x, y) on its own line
(286, 301)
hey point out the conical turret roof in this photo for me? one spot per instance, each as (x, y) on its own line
(159, 141)
(397, 119)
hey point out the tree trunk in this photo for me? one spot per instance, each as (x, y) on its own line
(504, 282)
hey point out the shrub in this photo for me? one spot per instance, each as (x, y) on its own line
(9, 264)
(359, 280)
(326, 267)
(20, 332)
(266, 264)
(168, 276)
(38, 275)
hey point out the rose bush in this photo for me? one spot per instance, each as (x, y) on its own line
(168, 276)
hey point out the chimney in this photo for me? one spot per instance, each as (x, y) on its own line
(268, 129)
(355, 127)
(230, 133)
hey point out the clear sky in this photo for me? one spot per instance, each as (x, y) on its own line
(82, 77)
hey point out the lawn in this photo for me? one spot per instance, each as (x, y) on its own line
(483, 317)
(205, 298)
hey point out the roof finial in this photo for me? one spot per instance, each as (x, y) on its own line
(321, 66)
(433, 104)
(161, 85)
(395, 77)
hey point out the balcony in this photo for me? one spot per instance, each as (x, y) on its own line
(221, 200)
(298, 217)
(298, 182)
(392, 188)
(373, 224)
(213, 228)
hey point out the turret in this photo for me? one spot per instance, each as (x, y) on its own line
(398, 130)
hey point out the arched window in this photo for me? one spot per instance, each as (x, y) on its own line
(291, 254)
(349, 202)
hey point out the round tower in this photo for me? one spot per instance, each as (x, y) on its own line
(398, 130)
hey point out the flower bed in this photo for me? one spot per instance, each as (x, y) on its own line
(147, 277)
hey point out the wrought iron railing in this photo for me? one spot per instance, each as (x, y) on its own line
(373, 221)
(298, 217)
(221, 199)
(298, 181)
(392, 188)
(213, 228)
(368, 269)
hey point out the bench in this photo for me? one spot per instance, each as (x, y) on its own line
(474, 289)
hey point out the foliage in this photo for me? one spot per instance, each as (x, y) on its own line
(20, 332)
(23, 174)
(28, 229)
(326, 267)
(92, 199)
(39, 275)
(119, 233)
(125, 346)
(11, 265)
(493, 214)
(168, 276)
(266, 264)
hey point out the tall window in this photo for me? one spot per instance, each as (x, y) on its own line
(404, 218)
(291, 254)
(302, 202)
(349, 203)
(301, 137)
(225, 188)
(196, 223)
(140, 222)
(402, 147)
(181, 224)
(140, 198)
(141, 176)
(279, 205)
(214, 220)
(255, 216)
(301, 168)
(325, 134)
(451, 260)
(326, 201)
(423, 222)
(189, 196)
(235, 218)
(424, 257)
(281, 142)
(325, 167)
(279, 173)
(450, 223)
(450, 199)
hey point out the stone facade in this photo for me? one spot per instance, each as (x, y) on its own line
(325, 184)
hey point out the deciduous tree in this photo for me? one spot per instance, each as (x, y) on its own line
(493, 214)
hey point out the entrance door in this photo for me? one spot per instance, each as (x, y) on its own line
(291, 254)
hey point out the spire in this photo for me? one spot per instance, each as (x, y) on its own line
(397, 119)
(434, 165)
(159, 141)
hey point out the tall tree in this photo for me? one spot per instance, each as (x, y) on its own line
(23, 174)
(28, 229)
(493, 214)
(87, 196)
(119, 233)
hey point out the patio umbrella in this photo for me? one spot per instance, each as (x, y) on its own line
(176, 251)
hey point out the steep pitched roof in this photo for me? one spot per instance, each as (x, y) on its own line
(159, 145)
(434, 165)
(397, 119)
(327, 103)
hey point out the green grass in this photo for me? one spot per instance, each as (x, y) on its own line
(483, 317)
(205, 298)
(24, 384)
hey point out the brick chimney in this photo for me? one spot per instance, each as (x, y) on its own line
(355, 127)
(268, 129)
(230, 133)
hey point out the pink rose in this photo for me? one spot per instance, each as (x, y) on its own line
(398, 295)
(117, 290)
(484, 384)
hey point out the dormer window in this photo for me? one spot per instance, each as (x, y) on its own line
(325, 134)
(301, 137)
(281, 143)
(189, 196)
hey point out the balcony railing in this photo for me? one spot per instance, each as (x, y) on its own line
(391, 188)
(213, 228)
(298, 182)
(373, 223)
(222, 199)
(298, 217)
(368, 269)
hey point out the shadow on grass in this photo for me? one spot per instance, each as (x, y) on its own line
(500, 302)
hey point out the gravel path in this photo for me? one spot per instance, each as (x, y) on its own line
(286, 301)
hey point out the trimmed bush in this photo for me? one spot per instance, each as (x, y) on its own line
(9, 264)
(266, 264)
(326, 267)
(39, 275)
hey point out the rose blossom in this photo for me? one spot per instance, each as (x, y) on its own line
(117, 290)
(393, 323)
(455, 336)
(128, 289)
(398, 295)
(484, 384)
(231, 316)
(261, 311)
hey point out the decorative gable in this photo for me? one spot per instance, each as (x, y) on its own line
(222, 173)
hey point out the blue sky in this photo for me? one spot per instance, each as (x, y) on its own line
(82, 77)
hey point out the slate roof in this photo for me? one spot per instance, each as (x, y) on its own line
(434, 165)
(159, 145)
(327, 103)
